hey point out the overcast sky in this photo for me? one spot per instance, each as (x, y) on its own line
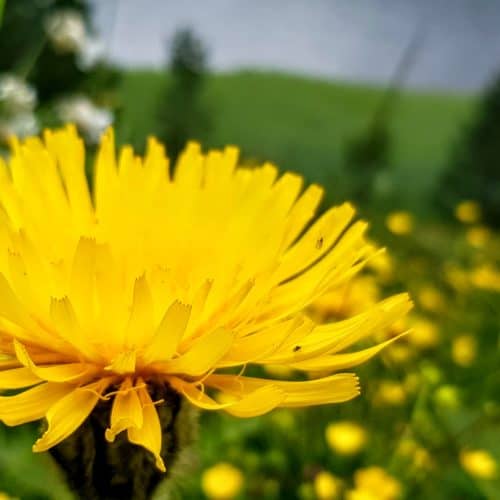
(347, 39)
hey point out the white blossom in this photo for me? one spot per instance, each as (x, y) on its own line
(89, 118)
(91, 52)
(16, 96)
(21, 125)
(66, 30)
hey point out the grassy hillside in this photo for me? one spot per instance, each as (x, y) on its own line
(303, 124)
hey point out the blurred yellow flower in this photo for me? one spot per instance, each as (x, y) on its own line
(390, 393)
(374, 481)
(399, 223)
(412, 382)
(156, 278)
(431, 373)
(447, 396)
(223, 481)
(5, 496)
(359, 494)
(407, 447)
(345, 437)
(464, 350)
(327, 486)
(424, 333)
(431, 299)
(479, 463)
(399, 326)
(457, 277)
(399, 353)
(468, 212)
(382, 264)
(478, 236)
(422, 459)
(487, 277)
(355, 297)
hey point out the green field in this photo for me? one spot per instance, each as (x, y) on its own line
(303, 124)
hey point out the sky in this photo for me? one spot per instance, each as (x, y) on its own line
(362, 40)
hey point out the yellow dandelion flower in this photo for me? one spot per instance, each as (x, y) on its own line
(464, 350)
(356, 296)
(468, 212)
(422, 459)
(399, 353)
(383, 265)
(447, 396)
(377, 482)
(360, 494)
(5, 496)
(431, 299)
(487, 277)
(412, 382)
(424, 334)
(156, 279)
(407, 447)
(479, 463)
(399, 223)
(478, 236)
(327, 486)
(457, 277)
(222, 481)
(346, 438)
(390, 393)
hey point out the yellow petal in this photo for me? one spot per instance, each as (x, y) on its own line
(149, 434)
(105, 175)
(257, 402)
(202, 355)
(69, 372)
(64, 318)
(302, 212)
(262, 344)
(69, 151)
(125, 362)
(336, 336)
(140, 324)
(344, 360)
(31, 404)
(82, 280)
(195, 396)
(317, 240)
(126, 412)
(12, 310)
(333, 389)
(169, 332)
(67, 414)
(18, 378)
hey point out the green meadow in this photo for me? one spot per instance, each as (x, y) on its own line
(303, 124)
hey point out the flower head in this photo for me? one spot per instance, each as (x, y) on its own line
(346, 438)
(327, 486)
(223, 481)
(374, 483)
(479, 463)
(468, 211)
(157, 278)
(400, 223)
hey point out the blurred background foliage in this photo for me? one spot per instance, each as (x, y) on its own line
(423, 167)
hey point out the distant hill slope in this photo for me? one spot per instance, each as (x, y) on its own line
(302, 124)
